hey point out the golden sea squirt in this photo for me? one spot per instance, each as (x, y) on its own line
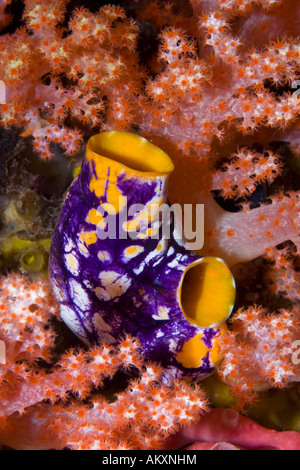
(115, 271)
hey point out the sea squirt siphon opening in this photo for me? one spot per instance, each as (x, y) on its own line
(131, 150)
(207, 292)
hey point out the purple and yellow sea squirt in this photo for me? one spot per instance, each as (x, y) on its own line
(140, 281)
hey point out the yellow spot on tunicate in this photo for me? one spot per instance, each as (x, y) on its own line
(142, 236)
(104, 255)
(109, 208)
(162, 245)
(151, 232)
(192, 352)
(95, 217)
(151, 212)
(98, 186)
(214, 355)
(143, 215)
(145, 219)
(131, 225)
(76, 170)
(133, 251)
(207, 292)
(115, 197)
(88, 237)
(106, 183)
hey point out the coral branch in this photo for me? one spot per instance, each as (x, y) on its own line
(258, 352)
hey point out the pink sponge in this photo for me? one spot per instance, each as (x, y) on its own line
(226, 429)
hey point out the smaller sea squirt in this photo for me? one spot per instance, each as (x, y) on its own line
(116, 271)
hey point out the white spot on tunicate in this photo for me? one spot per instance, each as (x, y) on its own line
(172, 345)
(83, 249)
(71, 319)
(104, 256)
(136, 302)
(59, 294)
(69, 245)
(78, 295)
(153, 254)
(162, 314)
(159, 334)
(72, 263)
(175, 264)
(103, 329)
(170, 251)
(169, 374)
(113, 285)
(139, 269)
(87, 283)
(160, 259)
